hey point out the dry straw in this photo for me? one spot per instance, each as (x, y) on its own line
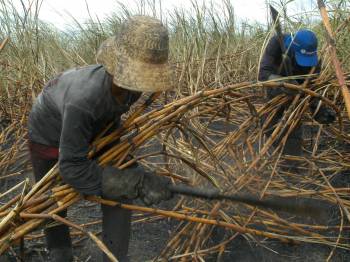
(211, 132)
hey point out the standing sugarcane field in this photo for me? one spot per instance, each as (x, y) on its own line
(168, 130)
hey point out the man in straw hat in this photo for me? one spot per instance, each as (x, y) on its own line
(301, 55)
(76, 106)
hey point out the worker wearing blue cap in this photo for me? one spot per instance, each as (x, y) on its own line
(303, 45)
(301, 51)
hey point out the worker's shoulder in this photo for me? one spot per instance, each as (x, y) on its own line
(274, 37)
(273, 47)
(273, 42)
(90, 76)
(88, 83)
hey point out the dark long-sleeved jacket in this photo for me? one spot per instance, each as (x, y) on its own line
(272, 59)
(71, 110)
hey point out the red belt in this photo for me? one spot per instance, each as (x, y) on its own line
(43, 151)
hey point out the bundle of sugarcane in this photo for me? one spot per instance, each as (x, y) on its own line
(50, 195)
(29, 210)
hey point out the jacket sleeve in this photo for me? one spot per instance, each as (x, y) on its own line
(75, 168)
(269, 62)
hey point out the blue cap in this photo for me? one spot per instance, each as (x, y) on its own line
(304, 46)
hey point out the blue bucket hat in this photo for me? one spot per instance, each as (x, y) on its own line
(304, 46)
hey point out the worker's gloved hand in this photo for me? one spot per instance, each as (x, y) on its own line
(134, 182)
(282, 90)
(121, 183)
(154, 189)
(325, 115)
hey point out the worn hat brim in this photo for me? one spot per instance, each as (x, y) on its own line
(106, 54)
(133, 74)
(306, 60)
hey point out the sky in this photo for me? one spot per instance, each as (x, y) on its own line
(59, 12)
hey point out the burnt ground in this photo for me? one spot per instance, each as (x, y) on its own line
(150, 237)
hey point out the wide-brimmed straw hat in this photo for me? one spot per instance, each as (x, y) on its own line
(137, 57)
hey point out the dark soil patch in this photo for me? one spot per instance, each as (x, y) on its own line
(150, 237)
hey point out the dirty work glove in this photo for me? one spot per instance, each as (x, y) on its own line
(121, 183)
(282, 90)
(154, 189)
(325, 115)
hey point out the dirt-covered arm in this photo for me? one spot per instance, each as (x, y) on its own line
(75, 168)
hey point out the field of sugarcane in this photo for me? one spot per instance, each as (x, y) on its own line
(210, 132)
